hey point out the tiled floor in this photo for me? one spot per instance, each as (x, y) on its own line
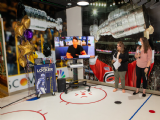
(79, 104)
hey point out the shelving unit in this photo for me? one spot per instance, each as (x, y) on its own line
(157, 54)
(103, 52)
(110, 53)
(115, 43)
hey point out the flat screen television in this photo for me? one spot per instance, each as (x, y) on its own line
(74, 47)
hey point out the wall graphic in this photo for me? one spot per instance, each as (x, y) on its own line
(20, 82)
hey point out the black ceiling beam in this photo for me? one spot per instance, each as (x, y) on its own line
(50, 3)
(155, 5)
(142, 2)
(147, 5)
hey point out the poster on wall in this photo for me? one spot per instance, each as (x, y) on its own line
(3, 70)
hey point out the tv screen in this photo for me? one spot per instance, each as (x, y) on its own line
(74, 47)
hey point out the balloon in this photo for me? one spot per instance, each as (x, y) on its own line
(26, 48)
(146, 33)
(26, 22)
(19, 29)
(151, 29)
(22, 61)
(32, 57)
(28, 34)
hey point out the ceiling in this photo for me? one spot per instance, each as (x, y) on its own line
(62, 3)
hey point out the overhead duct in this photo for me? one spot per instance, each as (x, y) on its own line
(142, 2)
(147, 5)
(155, 5)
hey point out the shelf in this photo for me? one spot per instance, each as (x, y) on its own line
(110, 53)
(115, 43)
(103, 52)
(157, 55)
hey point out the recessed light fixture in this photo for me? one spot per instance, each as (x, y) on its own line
(69, 3)
(94, 12)
(82, 2)
(114, 3)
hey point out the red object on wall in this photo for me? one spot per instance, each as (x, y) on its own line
(99, 69)
(130, 78)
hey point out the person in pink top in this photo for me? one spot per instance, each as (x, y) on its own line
(144, 57)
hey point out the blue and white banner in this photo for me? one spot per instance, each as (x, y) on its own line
(45, 79)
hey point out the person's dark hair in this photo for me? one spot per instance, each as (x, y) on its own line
(74, 38)
(145, 44)
(122, 46)
(47, 49)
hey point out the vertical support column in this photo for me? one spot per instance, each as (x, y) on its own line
(74, 28)
(16, 43)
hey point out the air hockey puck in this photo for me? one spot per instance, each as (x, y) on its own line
(117, 102)
(151, 111)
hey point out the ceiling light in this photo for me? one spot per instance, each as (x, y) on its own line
(99, 4)
(105, 4)
(114, 3)
(110, 5)
(94, 12)
(119, 3)
(96, 4)
(102, 4)
(82, 3)
(69, 3)
(93, 3)
(90, 3)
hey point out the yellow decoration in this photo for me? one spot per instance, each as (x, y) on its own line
(22, 61)
(146, 33)
(32, 57)
(26, 48)
(19, 29)
(26, 22)
(151, 29)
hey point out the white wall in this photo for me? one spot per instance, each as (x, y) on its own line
(74, 28)
(74, 21)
